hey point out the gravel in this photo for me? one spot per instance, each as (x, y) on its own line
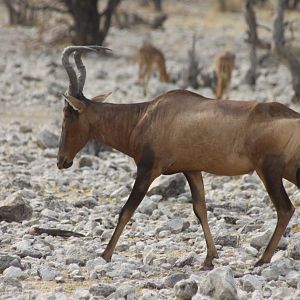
(161, 250)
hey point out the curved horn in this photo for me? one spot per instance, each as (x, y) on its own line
(78, 87)
(80, 66)
(73, 84)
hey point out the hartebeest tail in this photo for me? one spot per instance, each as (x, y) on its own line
(181, 131)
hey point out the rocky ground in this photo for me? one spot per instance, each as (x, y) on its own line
(160, 253)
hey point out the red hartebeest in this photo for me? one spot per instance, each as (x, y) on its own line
(181, 131)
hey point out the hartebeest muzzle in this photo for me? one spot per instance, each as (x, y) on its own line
(63, 163)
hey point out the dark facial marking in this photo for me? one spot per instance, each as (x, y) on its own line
(298, 178)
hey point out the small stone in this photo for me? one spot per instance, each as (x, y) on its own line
(172, 279)
(261, 240)
(187, 260)
(270, 273)
(60, 279)
(148, 257)
(47, 139)
(102, 289)
(220, 284)
(251, 283)
(251, 250)
(9, 284)
(293, 279)
(15, 208)
(24, 248)
(293, 249)
(50, 153)
(82, 294)
(227, 240)
(147, 206)
(120, 192)
(168, 186)
(7, 261)
(283, 293)
(47, 273)
(87, 202)
(149, 295)
(126, 291)
(177, 225)
(78, 255)
(12, 272)
(93, 263)
(85, 161)
(185, 289)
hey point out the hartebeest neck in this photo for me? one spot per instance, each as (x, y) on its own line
(112, 124)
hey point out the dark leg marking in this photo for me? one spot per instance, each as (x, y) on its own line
(145, 176)
(271, 175)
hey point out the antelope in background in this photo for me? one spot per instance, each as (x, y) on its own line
(178, 132)
(150, 58)
(224, 65)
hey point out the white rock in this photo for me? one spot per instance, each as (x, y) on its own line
(149, 295)
(93, 263)
(12, 272)
(47, 139)
(251, 250)
(47, 273)
(15, 208)
(251, 283)
(294, 248)
(293, 279)
(167, 186)
(177, 225)
(185, 289)
(220, 284)
(270, 273)
(148, 257)
(147, 206)
(82, 294)
(261, 240)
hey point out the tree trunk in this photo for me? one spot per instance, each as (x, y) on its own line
(283, 52)
(253, 39)
(292, 4)
(157, 5)
(86, 21)
(20, 13)
(250, 17)
(251, 74)
(90, 27)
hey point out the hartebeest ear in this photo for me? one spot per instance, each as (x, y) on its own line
(101, 98)
(75, 103)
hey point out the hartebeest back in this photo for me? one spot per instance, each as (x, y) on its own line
(181, 131)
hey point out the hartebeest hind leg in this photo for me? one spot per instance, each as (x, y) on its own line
(143, 180)
(197, 189)
(270, 173)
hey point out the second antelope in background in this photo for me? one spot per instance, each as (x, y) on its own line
(148, 59)
(224, 65)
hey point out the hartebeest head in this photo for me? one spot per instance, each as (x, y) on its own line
(76, 126)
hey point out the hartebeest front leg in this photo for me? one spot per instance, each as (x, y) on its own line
(143, 180)
(270, 173)
(197, 189)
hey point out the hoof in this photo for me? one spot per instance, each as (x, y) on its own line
(106, 258)
(207, 267)
(260, 263)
